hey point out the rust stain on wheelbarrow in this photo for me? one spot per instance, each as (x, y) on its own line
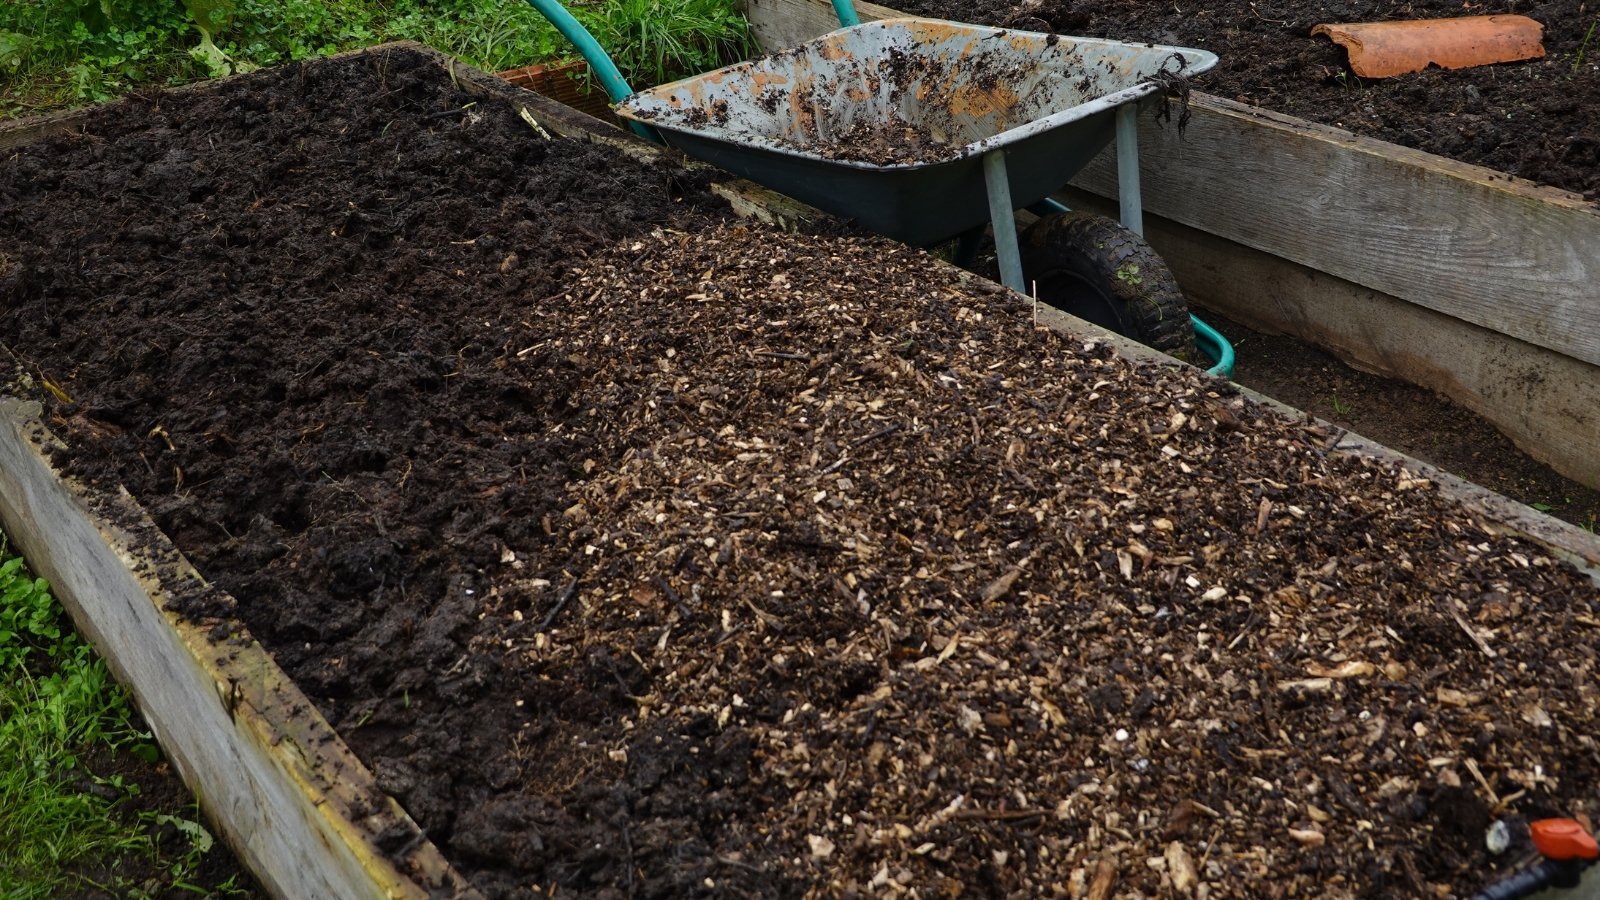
(1385, 49)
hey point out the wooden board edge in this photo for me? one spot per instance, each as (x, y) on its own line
(17, 132)
(1421, 159)
(271, 774)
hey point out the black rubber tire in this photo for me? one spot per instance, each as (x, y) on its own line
(1092, 267)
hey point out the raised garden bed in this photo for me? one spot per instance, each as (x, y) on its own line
(636, 554)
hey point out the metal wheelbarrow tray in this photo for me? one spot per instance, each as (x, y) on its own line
(950, 93)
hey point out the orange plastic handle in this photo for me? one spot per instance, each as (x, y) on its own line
(1563, 839)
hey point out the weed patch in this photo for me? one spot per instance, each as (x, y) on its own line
(58, 705)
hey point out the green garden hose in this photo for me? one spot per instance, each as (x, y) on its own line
(604, 69)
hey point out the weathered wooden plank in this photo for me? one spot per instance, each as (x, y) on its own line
(1513, 257)
(1546, 402)
(22, 131)
(274, 778)
(1497, 251)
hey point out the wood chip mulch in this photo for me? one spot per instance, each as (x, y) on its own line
(995, 611)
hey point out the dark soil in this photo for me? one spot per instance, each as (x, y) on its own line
(723, 562)
(907, 108)
(1538, 119)
(886, 143)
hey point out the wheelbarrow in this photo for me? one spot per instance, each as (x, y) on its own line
(974, 123)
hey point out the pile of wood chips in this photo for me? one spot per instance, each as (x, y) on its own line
(1001, 612)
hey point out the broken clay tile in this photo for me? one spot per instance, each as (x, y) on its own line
(1384, 49)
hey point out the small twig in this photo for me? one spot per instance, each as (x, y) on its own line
(767, 619)
(1211, 842)
(566, 595)
(1507, 800)
(1254, 12)
(881, 432)
(1471, 633)
(528, 117)
(779, 354)
(1263, 514)
(627, 844)
(1472, 766)
(448, 112)
(1244, 630)
(1000, 815)
(673, 596)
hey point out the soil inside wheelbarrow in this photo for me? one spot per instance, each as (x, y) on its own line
(1538, 119)
(644, 556)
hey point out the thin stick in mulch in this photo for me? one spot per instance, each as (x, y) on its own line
(881, 432)
(673, 596)
(561, 603)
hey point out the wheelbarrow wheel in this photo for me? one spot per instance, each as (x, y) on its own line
(1092, 267)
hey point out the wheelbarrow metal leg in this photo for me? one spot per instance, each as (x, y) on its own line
(1128, 193)
(1002, 217)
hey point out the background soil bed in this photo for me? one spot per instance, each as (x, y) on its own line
(746, 564)
(1538, 119)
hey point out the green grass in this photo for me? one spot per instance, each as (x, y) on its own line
(56, 53)
(58, 704)
(657, 41)
(1340, 407)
